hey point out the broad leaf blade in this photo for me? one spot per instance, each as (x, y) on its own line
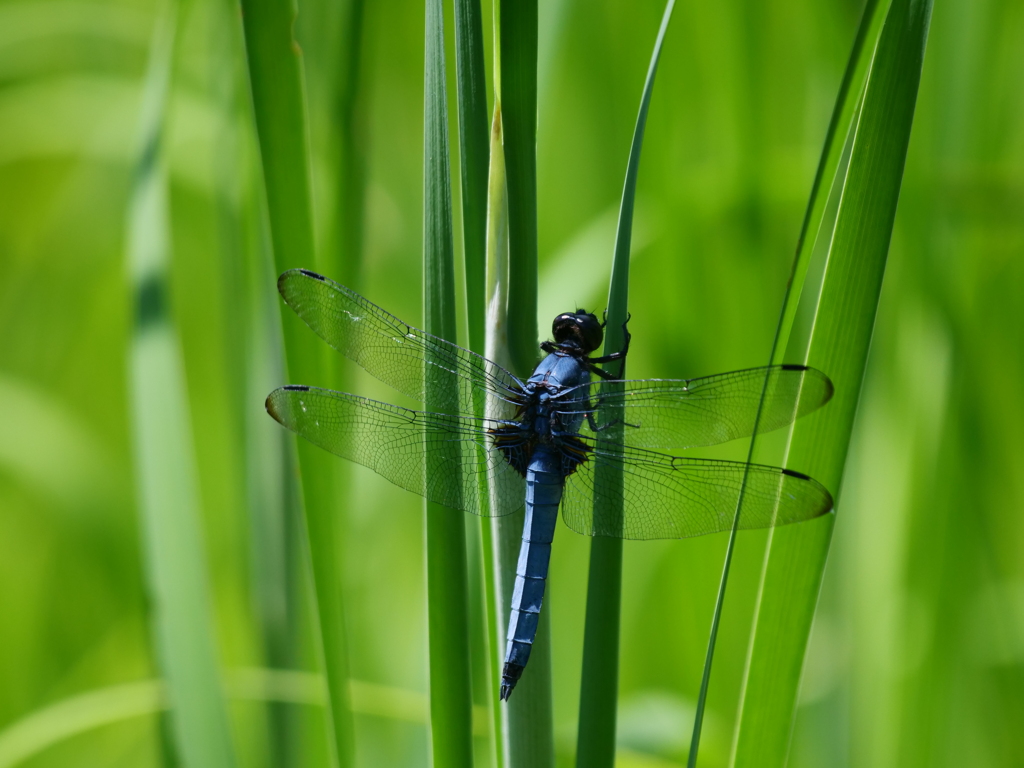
(279, 104)
(838, 345)
(166, 486)
(451, 700)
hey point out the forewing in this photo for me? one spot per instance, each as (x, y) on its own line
(406, 358)
(670, 497)
(443, 458)
(674, 414)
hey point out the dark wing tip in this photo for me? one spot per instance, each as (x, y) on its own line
(296, 387)
(290, 273)
(828, 503)
(829, 387)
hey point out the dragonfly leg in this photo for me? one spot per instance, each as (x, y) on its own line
(620, 355)
(596, 428)
(601, 428)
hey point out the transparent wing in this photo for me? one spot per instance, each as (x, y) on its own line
(674, 414)
(442, 457)
(669, 497)
(404, 357)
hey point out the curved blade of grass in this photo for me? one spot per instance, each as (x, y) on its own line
(83, 712)
(279, 104)
(451, 696)
(168, 499)
(842, 116)
(838, 340)
(595, 740)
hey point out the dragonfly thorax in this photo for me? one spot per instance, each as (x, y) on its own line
(554, 374)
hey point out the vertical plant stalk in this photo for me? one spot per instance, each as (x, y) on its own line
(843, 318)
(527, 717)
(168, 499)
(451, 697)
(347, 239)
(279, 105)
(252, 339)
(517, 38)
(496, 349)
(474, 139)
(595, 741)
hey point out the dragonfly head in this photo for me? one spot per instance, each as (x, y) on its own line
(581, 328)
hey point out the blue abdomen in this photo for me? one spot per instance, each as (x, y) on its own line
(544, 482)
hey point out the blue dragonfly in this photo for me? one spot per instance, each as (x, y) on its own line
(559, 439)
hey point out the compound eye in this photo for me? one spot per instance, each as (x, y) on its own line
(561, 325)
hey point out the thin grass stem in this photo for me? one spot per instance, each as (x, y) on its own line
(595, 740)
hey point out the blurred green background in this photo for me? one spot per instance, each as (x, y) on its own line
(917, 652)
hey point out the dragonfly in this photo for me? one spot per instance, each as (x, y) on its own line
(571, 437)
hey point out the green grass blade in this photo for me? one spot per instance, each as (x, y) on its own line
(527, 717)
(846, 104)
(595, 742)
(474, 145)
(253, 350)
(838, 343)
(474, 148)
(497, 350)
(828, 165)
(278, 91)
(345, 243)
(847, 101)
(331, 35)
(517, 37)
(451, 698)
(166, 486)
